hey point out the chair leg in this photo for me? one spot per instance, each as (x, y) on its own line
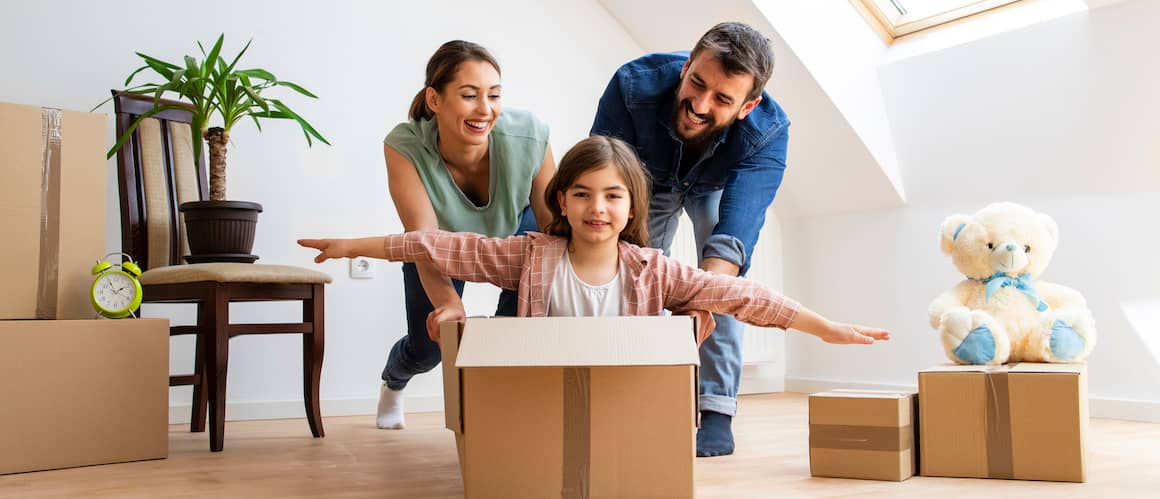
(218, 345)
(313, 346)
(200, 389)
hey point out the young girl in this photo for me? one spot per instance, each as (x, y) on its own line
(592, 261)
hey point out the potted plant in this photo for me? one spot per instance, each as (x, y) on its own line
(221, 95)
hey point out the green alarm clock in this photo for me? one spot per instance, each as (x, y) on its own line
(116, 293)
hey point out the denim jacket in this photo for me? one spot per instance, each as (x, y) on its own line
(746, 161)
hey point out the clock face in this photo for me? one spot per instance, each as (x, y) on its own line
(114, 291)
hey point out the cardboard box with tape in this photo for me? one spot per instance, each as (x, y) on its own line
(1021, 421)
(572, 407)
(863, 434)
(78, 393)
(52, 210)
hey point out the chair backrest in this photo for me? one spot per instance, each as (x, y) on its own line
(156, 172)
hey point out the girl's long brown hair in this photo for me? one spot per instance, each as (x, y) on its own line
(594, 153)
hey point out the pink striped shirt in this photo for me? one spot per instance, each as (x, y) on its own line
(527, 263)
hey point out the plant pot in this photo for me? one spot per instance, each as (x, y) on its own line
(220, 231)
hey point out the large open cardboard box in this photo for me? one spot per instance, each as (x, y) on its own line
(573, 407)
(52, 210)
(83, 392)
(1021, 421)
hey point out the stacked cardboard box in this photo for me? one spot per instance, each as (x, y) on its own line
(1020, 421)
(75, 392)
(863, 434)
(573, 407)
(83, 392)
(52, 210)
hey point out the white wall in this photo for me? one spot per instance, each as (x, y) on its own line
(366, 61)
(1059, 116)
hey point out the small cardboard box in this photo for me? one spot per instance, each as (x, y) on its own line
(78, 393)
(52, 210)
(863, 434)
(573, 407)
(1020, 421)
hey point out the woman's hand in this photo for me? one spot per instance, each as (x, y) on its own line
(441, 315)
(328, 248)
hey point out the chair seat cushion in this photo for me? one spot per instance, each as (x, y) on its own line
(233, 272)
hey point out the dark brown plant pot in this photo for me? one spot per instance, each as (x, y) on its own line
(220, 231)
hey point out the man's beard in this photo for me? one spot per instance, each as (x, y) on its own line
(711, 128)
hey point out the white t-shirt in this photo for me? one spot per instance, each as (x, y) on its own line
(571, 297)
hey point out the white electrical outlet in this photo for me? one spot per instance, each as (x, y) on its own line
(361, 268)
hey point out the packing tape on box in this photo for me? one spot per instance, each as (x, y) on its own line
(577, 432)
(49, 212)
(855, 437)
(1000, 460)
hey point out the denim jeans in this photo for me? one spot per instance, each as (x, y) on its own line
(415, 353)
(721, 352)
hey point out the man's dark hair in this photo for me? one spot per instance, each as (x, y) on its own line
(741, 49)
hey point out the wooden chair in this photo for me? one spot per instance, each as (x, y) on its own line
(156, 172)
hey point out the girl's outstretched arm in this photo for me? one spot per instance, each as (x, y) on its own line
(346, 248)
(463, 255)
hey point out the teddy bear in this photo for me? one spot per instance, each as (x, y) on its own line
(1002, 312)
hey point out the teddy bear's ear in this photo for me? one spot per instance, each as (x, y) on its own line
(1049, 224)
(950, 230)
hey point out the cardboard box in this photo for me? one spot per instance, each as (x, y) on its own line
(52, 210)
(83, 392)
(1022, 421)
(863, 434)
(573, 407)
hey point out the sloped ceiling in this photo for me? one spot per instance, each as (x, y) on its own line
(831, 169)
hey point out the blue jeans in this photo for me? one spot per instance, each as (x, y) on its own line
(721, 352)
(415, 353)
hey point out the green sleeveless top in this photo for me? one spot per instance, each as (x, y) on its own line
(516, 149)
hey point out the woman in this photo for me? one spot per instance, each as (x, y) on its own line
(458, 165)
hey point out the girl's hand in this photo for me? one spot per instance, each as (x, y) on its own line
(853, 334)
(327, 248)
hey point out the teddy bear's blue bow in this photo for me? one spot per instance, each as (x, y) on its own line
(1022, 283)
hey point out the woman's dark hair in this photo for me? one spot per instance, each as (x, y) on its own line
(441, 68)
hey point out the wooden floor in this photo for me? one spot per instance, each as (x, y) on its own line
(278, 459)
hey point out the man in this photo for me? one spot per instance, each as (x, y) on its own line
(715, 144)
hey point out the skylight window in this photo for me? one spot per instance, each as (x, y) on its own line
(903, 17)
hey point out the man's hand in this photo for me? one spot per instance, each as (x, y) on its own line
(327, 248)
(441, 315)
(719, 266)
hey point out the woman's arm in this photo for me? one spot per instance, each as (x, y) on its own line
(539, 185)
(415, 210)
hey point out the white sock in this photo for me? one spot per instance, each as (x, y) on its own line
(390, 415)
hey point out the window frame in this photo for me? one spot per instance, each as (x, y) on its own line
(894, 25)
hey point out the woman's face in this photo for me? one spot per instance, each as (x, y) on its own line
(468, 106)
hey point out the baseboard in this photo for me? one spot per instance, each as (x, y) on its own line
(762, 378)
(1099, 407)
(1132, 410)
(288, 409)
(755, 378)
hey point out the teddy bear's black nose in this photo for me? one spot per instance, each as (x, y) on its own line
(1010, 247)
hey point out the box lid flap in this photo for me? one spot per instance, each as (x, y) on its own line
(578, 341)
(955, 368)
(1035, 367)
(1020, 367)
(875, 394)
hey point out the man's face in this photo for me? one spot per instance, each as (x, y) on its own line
(709, 99)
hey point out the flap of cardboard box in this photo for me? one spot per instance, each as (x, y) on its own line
(578, 342)
(1020, 367)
